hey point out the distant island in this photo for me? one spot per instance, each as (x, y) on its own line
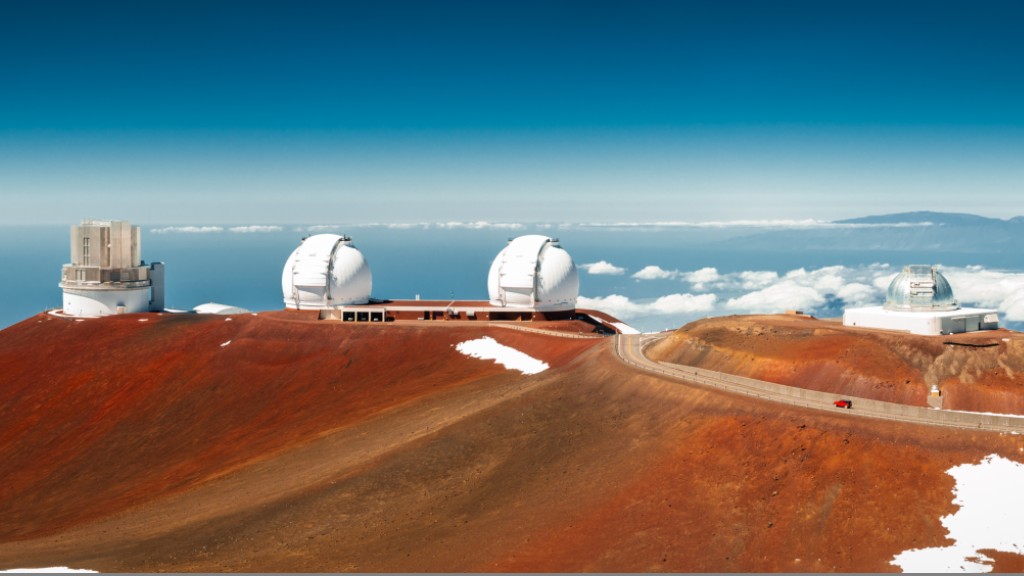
(905, 231)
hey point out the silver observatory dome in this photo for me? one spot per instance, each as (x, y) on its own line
(920, 288)
(326, 271)
(535, 272)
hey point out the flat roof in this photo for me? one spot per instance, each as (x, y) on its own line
(439, 305)
(922, 313)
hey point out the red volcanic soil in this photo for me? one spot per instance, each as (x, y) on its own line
(306, 446)
(979, 371)
(155, 406)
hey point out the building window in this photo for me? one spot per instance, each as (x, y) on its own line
(85, 251)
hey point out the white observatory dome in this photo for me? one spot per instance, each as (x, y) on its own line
(533, 272)
(920, 289)
(326, 270)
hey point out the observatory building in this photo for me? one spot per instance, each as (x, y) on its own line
(533, 273)
(920, 300)
(326, 271)
(532, 278)
(107, 275)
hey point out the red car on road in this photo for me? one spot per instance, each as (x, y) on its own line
(843, 404)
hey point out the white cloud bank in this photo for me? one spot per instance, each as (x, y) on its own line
(487, 225)
(823, 292)
(776, 298)
(989, 288)
(187, 230)
(480, 225)
(255, 229)
(655, 273)
(215, 229)
(990, 501)
(487, 348)
(806, 224)
(453, 225)
(318, 228)
(698, 279)
(701, 279)
(603, 268)
(798, 289)
(658, 225)
(624, 308)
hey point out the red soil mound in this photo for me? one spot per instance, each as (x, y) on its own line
(981, 371)
(329, 447)
(128, 408)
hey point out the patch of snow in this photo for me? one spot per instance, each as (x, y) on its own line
(487, 348)
(225, 344)
(218, 308)
(625, 328)
(990, 501)
(51, 570)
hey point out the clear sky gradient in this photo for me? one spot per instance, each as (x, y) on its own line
(340, 112)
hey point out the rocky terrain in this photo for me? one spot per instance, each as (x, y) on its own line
(980, 371)
(274, 442)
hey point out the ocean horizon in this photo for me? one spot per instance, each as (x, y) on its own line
(654, 276)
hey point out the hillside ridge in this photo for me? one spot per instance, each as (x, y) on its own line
(272, 442)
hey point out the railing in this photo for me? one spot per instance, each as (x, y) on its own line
(105, 285)
(545, 332)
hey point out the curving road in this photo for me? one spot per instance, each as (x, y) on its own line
(629, 349)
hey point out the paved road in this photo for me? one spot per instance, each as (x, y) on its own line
(629, 349)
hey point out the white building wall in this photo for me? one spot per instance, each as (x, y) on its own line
(105, 302)
(923, 323)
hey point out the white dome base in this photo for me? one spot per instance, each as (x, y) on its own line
(87, 303)
(923, 323)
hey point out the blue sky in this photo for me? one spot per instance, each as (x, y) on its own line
(318, 111)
